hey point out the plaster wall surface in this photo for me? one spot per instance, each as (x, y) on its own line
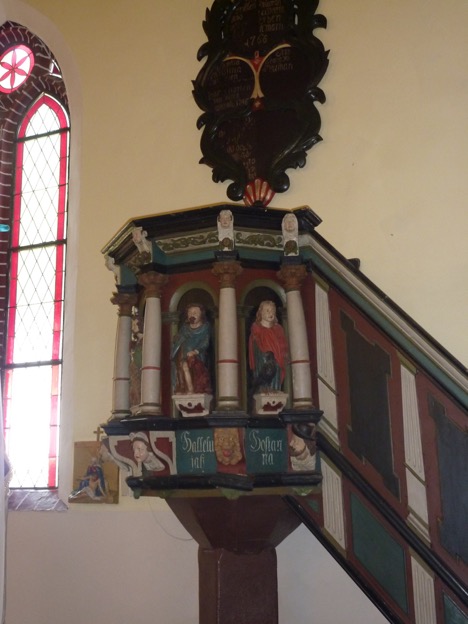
(389, 181)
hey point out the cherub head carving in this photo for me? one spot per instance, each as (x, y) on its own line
(227, 446)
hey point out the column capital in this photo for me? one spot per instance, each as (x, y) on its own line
(125, 301)
(292, 276)
(153, 283)
(227, 271)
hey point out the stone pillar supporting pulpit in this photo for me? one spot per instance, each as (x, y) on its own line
(237, 555)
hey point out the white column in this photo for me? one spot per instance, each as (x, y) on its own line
(121, 381)
(333, 510)
(292, 277)
(424, 596)
(325, 365)
(415, 475)
(228, 360)
(151, 352)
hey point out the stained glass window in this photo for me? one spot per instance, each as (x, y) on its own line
(15, 67)
(36, 166)
(34, 337)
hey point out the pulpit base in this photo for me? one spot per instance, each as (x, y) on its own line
(237, 557)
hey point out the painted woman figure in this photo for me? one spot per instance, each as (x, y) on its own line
(146, 460)
(268, 350)
(190, 357)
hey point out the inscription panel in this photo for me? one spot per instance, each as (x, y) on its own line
(266, 450)
(257, 91)
(195, 452)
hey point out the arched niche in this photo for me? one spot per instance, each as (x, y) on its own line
(194, 294)
(257, 292)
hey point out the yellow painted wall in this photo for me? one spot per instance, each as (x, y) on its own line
(389, 181)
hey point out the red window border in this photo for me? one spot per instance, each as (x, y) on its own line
(59, 272)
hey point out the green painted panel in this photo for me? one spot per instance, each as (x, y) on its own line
(195, 452)
(313, 504)
(452, 613)
(379, 553)
(266, 450)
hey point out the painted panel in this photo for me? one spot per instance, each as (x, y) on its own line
(327, 403)
(453, 615)
(333, 513)
(368, 373)
(417, 504)
(265, 450)
(379, 553)
(424, 598)
(324, 343)
(411, 427)
(195, 452)
(452, 447)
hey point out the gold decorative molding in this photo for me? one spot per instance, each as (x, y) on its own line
(292, 276)
(227, 271)
(153, 283)
(125, 301)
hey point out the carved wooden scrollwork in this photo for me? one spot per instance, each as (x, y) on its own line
(257, 89)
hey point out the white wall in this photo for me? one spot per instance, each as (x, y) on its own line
(389, 181)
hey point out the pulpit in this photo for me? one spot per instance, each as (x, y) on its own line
(214, 385)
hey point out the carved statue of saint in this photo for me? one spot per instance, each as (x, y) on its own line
(290, 235)
(268, 350)
(226, 230)
(190, 353)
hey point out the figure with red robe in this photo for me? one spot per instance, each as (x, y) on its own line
(268, 350)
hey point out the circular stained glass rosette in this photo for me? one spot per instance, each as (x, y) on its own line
(16, 65)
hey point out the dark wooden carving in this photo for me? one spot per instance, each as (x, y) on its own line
(258, 89)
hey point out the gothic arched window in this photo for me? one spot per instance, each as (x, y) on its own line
(34, 147)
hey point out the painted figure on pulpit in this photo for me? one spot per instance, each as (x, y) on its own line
(268, 350)
(226, 230)
(110, 264)
(190, 353)
(146, 460)
(227, 446)
(290, 233)
(300, 454)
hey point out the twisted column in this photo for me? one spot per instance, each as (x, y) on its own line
(121, 380)
(228, 363)
(292, 276)
(153, 284)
